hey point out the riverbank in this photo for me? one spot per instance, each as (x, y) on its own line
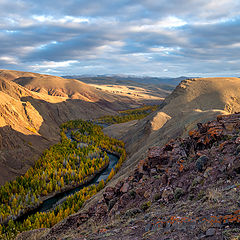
(43, 199)
(33, 209)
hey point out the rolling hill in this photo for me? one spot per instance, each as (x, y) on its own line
(138, 87)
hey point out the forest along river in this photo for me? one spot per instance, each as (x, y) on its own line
(61, 197)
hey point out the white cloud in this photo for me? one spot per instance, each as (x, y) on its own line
(145, 36)
(65, 19)
(164, 50)
(51, 65)
(9, 59)
(169, 22)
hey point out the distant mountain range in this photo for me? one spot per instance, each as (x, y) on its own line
(123, 79)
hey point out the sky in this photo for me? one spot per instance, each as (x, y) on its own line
(131, 37)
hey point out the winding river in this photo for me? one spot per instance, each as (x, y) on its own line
(59, 198)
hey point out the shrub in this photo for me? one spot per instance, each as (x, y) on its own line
(157, 196)
(178, 193)
(146, 205)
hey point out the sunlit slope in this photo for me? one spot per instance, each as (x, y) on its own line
(204, 94)
(193, 101)
(61, 87)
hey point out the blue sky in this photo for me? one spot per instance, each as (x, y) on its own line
(134, 37)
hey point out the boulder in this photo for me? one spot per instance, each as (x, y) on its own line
(167, 194)
(156, 156)
(118, 186)
(132, 212)
(83, 217)
(142, 166)
(201, 163)
(178, 193)
(124, 200)
(164, 180)
(109, 194)
(112, 203)
(210, 232)
(124, 188)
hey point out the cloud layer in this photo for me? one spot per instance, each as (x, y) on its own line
(141, 37)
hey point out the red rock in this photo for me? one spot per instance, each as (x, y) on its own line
(118, 186)
(164, 180)
(237, 140)
(140, 191)
(141, 180)
(124, 200)
(157, 157)
(154, 152)
(109, 193)
(101, 210)
(142, 166)
(124, 188)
